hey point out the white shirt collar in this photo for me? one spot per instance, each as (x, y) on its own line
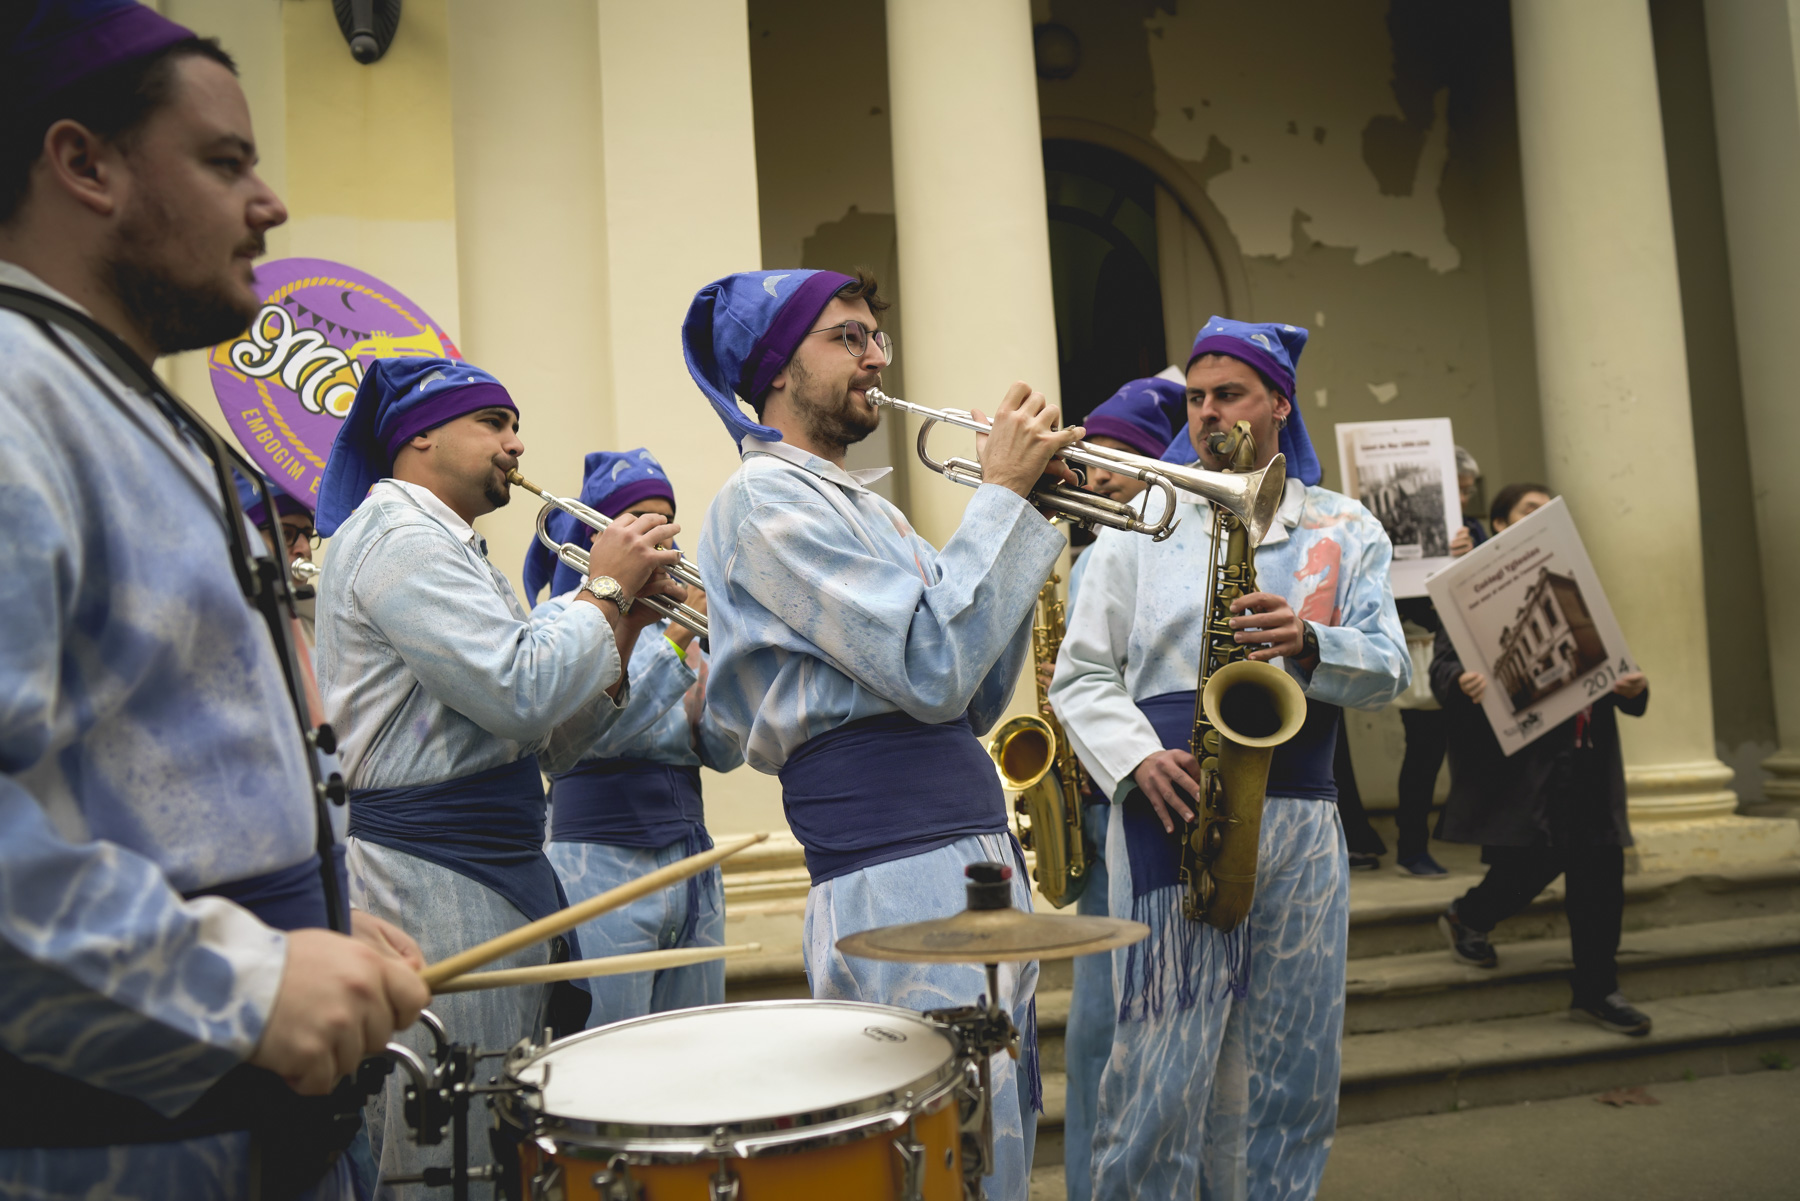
(807, 461)
(428, 500)
(19, 277)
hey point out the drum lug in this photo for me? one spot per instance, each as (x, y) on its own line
(912, 1155)
(724, 1184)
(546, 1185)
(616, 1182)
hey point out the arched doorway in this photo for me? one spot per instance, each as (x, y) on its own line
(1138, 257)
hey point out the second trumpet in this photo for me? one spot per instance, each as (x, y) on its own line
(576, 558)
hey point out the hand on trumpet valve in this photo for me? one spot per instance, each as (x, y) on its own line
(663, 585)
(633, 549)
(1021, 446)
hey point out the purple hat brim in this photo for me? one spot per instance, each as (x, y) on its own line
(453, 403)
(1246, 352)
(1134, 436)
(129, 32)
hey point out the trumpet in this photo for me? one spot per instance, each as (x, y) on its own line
(304, 572)
(577, 558)
(1251, 497)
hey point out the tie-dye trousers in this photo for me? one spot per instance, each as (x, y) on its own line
(1235, 1098)
(653, 923)
(918, 889)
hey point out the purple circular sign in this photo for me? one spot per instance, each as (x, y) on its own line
(286, 383)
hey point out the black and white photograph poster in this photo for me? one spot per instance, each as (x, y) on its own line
(1405, 472)
(1527, 611)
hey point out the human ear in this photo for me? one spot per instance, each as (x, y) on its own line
(83, 166)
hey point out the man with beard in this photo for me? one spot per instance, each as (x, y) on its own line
(1223, 1075)
(449, 699)
(856, 661)
(168, 978)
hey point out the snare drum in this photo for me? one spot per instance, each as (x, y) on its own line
(774, 1099)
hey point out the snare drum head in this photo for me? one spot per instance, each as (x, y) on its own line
(737, 1064)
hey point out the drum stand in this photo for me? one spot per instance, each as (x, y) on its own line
(437, 1099)
(980, 1032)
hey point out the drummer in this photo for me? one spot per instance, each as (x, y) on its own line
(446, 695)
(633, 803)
(854, 659)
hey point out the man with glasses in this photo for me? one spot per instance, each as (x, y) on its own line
(856, 661)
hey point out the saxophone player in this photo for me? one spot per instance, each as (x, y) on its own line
(1224, 1065)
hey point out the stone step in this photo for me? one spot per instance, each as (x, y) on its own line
(1460, 1065)
(1428, 988)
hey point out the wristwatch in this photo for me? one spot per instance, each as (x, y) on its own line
(1309, 641)
(605, 588)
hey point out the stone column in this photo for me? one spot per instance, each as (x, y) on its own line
(970, 212)
(1756, 95)
(1613, 380)
(605, 171)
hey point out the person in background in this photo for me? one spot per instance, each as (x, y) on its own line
(632, 804)
(1139, 418)
(1422, 721)
(1555, 807)
(300, 537)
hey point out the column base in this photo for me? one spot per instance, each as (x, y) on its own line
(1698, 845)
(1783, 783)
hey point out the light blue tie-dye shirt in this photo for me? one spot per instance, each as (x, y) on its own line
(148, 744)
(429, 666)
(825, 607)
(1134, 629)
(655, 726)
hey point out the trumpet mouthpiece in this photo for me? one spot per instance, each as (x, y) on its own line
(513, 477)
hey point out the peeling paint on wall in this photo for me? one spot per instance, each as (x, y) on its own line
(1309, 124)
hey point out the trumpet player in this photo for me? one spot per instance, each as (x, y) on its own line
(633, 803)
(1224, 1064)
(855, 660)
(448, 698)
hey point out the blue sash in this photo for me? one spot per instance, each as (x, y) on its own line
(626, 803)
(1300, 767)
(888, 787)
(488, 827)
(291, 898)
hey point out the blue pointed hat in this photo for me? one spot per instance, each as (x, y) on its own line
(1141, 414)
(741, 331)
(612, 483)
(251, 502)
(49, 45)
(1273, 349)
(397, 400)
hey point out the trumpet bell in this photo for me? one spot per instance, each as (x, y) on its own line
(1253, 497)
(1024, 749)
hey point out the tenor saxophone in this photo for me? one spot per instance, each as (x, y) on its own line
(1242, 711)
(1037, 762)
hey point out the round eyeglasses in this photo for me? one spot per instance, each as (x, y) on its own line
(293, 535)
(856, 339)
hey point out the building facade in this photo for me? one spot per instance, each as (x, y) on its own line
(1566, 227)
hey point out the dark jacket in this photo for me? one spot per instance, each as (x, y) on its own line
(1548, 793)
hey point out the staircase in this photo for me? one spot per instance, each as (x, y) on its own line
(1714, 959)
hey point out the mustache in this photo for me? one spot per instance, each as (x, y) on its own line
(254, 246)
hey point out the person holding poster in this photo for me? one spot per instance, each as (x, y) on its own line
(633, 804)
(1555, 807)
(448, 698)
(1225, 1064)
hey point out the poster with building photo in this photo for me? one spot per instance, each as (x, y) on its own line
(1526, 610)
(1405, 472)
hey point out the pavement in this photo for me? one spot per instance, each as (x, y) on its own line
(1734, 1137)
(1722, 1136)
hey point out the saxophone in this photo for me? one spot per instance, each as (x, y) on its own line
(1242, 711)
(1036, 761)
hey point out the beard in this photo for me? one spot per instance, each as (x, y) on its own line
(828, 415)
(174, 314)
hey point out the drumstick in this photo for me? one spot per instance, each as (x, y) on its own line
(565, 920)
(585, 969)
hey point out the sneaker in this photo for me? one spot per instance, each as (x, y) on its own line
(1420, 867)
(1362, 861)
(1615, 1013)
(1467, 944)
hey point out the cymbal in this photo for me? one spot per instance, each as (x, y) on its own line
(994, 936)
